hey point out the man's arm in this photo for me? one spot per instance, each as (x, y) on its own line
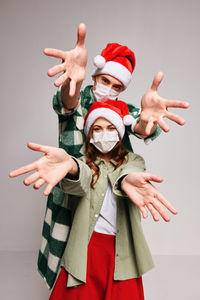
(155, 108)
(72, 67)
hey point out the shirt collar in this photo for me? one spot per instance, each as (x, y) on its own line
(100, 160)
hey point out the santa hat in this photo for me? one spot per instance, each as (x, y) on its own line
(114, 111)
(116, 60)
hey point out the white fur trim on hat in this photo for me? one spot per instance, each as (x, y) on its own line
(128, 120)
(99, 61)
(116, 70)
(109, 115)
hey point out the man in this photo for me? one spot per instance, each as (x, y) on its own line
(111, 77)
(153, 107)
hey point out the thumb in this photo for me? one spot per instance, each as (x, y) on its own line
(38, 147)
(157, 80)
(152, 177)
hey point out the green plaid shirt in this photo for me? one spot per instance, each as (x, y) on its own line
(57, 217)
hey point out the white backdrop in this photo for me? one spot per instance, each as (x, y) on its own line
(164, 36)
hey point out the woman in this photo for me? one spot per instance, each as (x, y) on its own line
(106, 252)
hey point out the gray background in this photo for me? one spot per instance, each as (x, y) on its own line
(165, 37)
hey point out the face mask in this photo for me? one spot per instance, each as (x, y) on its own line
(103, 91)
(105, 141)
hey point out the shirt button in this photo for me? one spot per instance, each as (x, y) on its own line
(96, 215)
(102, 194)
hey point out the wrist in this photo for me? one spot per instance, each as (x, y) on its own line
(74, 170)
(122, 182)
(139, 128)
(70, 102)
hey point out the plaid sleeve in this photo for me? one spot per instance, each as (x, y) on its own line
(57, 220)
(55, 232)
(59, 107)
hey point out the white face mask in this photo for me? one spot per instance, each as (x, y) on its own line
(105, 141)
(103, 91)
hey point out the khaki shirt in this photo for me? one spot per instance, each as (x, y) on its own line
(132, 255)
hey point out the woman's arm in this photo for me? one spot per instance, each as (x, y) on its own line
(145, 196)
(80, 185)
(136, 184)
(50, 168)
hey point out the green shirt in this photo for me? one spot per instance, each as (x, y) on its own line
(71, 134)
(132, 258)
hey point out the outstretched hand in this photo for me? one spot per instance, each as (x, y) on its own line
(73, 62)
(50, 168)
(155, 108)
(145, 196)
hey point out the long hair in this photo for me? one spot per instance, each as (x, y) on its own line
(118, 154)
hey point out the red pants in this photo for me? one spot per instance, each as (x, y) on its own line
(99, 282)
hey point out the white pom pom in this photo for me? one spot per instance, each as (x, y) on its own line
(99, 61)
(128, 120)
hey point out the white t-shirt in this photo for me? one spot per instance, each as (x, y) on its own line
(106, 222)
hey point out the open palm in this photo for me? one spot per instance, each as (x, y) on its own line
(50, 168)
(145, 196)
(155, 108)
(73, 62)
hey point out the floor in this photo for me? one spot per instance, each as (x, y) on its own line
(174, 278)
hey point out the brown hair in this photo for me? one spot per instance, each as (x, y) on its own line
(118, 154)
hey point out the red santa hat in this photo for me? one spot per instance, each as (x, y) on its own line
(114, 111)
(116, 60)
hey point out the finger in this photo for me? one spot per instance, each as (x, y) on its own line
(72, 88)
(38, 147)
(173, 117)
(153, 212)
(144, 212)
(157, 80)
(160, 197)
(56, 69)
(23, 170)
(163, 125)
(61, 79)
(81, 35)
(160, 209)
(32, 178)
(54, 52)
(152, 177)
(165, 202)
(39, 183)
(48, 189)
(148, 128)
(176, 103)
